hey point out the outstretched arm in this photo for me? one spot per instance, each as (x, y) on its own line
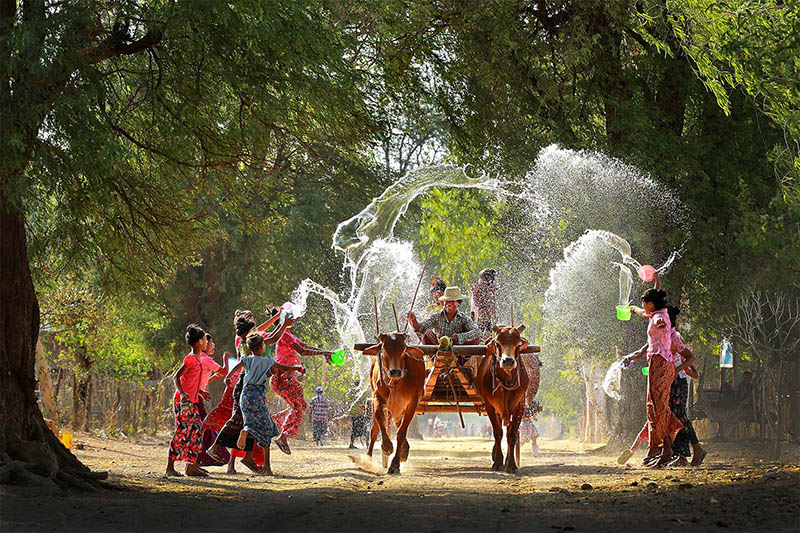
(635, 356)
(273, 337)
(268, 323)
(304, 349)
(277, 367)
(232, 371)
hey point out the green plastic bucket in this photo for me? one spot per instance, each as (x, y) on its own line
(624, 312)
(337, 357)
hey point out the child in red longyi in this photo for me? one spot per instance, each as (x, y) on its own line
(188, 439)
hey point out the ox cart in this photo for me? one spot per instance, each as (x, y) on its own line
(449, 384)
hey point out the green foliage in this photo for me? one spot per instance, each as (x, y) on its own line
(463, 233)
(196, 156)
(95, 334)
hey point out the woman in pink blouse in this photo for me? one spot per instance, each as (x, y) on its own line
(661, 422)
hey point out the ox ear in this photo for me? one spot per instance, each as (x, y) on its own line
(520, 328)
(375, 349)
(416, 353)
(490, 349)
(524, 344)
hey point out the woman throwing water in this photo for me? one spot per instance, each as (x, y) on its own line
(661, 422)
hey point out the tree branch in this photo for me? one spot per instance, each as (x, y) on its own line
(116, 45)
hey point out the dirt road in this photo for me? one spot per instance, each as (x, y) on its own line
(446, 486)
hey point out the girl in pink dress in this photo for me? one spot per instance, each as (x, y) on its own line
(662, 424)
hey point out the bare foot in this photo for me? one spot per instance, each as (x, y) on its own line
(231, 471)
(282, 445)
(679, 462)
(251, 464)
(213, 452)
(698, 457)
(195, 471)
(266, 471)
(242, 440)
(171, 472)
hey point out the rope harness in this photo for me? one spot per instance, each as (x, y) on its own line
(497, 382)
(382, 378)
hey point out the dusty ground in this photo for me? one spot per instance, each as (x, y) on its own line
(446, 485)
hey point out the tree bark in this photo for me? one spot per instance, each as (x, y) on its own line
(29, 452)
(46, 394)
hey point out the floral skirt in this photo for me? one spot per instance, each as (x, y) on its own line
(287, 386)
(229, 433)
(257, 421)
(661, 421)
(188, 440)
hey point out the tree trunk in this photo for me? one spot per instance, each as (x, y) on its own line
(778, 447)
(87, 404)
(58, 382)
(46, 394)
(77, 413)
(29, 452)
(630, 408)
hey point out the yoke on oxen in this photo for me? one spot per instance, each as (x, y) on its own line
(450, 382)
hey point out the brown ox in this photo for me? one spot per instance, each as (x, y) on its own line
(397, 378)
(502, 381)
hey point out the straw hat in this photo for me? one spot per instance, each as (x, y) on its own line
(452, 294)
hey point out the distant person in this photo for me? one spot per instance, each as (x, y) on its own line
(257, 423)
(188, 439)
(744, 390)
(528, 430)
(484, 300)
(320, 408)
(437, 289)
(358, 416)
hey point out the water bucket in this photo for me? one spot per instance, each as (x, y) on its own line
(337, 357)
(66, 440)
(645, 370)
(646, 272)
(623, 312)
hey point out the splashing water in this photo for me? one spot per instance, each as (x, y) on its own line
(625, 275)
(611, 383)
(565, 189)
